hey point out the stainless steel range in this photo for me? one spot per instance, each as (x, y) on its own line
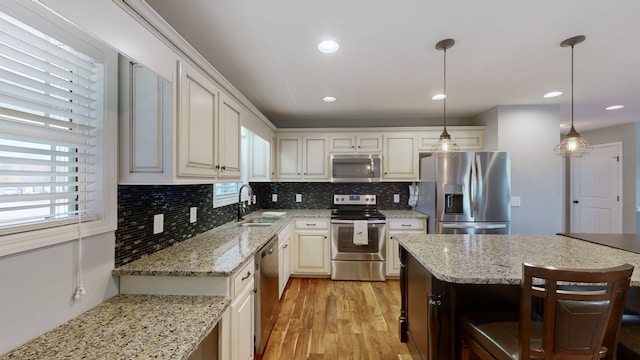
(358, 236)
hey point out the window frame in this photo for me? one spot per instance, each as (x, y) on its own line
(43, 19)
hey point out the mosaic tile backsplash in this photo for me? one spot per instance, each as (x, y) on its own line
(137, 205)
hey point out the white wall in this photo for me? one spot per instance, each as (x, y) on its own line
(38, 287)
(529, 133)
(627, 135)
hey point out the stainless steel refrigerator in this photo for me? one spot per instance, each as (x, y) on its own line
(467, 194)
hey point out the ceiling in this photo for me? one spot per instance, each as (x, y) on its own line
(387, 68)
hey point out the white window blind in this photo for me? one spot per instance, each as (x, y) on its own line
(225, 193)
(51, 99)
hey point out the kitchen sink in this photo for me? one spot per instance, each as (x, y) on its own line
(257, 222)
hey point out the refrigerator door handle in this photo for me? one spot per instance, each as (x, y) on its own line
(479, 183)
(472, 188)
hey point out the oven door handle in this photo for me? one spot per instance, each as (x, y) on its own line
(335, 221)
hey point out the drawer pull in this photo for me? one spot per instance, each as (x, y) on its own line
(246, 276)
(311, 224)
(405, 225)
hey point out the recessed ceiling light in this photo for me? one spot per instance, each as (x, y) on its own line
(614, 107)
(552, 94)
(329, 99)
(328, 46)
(438, 97)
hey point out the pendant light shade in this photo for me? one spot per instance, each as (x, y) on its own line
(445, 147)
(573, 145)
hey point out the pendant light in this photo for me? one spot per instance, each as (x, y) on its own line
(445, 147)
(573, 145)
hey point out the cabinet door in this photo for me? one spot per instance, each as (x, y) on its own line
(398, 226)
(145, 120)
(342, 143)
(242, 325)
(369, 143)
(316, 160)
(284, 267)
(259, 158)
(289, 157)
(197, 124)
(466, 139)
(229, 139)
(400, 157)
(311, 253)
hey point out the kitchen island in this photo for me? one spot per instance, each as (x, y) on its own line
(443, 275)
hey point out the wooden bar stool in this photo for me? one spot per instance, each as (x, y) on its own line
(554, 322)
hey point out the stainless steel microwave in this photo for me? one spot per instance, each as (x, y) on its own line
(356, 168)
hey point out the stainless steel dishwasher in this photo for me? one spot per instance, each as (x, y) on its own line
(267, 303)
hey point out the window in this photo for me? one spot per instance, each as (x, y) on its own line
(53, 133)
(225, 193)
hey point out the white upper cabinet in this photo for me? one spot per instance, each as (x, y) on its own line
(302, 157)
(358, 143)
(467, 138)
(399, 157)
(228, 164)
(259, 158)
(208, 128)
(197, 138)
(145, 113)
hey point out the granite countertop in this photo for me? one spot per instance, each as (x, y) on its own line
(497, 259)
(403, 214)
(218, 252)
(128, 327)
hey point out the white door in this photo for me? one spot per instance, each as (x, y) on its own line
(596, 188)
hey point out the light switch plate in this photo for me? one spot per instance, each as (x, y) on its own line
(193, 214)
(515, 201)
(396, 198)
(158, 223)
(298, 197)
(274, 197)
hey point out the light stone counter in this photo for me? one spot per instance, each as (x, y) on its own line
(130, 327)
(403, 214)
(218, 252)
(497, 259)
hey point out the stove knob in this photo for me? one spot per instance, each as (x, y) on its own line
(341, 199)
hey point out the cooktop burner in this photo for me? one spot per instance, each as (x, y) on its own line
(355, 207)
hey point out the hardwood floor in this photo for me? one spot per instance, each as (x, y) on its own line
(324, 319)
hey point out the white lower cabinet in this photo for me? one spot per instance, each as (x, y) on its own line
(284, 256)
(311, 248)
(243, 324)
(396, 226)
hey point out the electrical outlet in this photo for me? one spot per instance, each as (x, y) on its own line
(298, 197)
(193, 214)
(396, 198)
(158, 223)
(515, 201)
(274, 197)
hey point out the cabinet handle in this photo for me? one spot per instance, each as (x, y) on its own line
(285, 246)
(358, 146)
(325, 236)
(406, 225)
(224, 167)
(352, 146)
(385, 173)
(217, 167)
(312, 224)
(246, 276)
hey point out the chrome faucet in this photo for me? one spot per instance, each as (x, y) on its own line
(242, 206)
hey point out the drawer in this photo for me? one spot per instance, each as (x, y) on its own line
(406, 224)
(243, 278)
(312, 224)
